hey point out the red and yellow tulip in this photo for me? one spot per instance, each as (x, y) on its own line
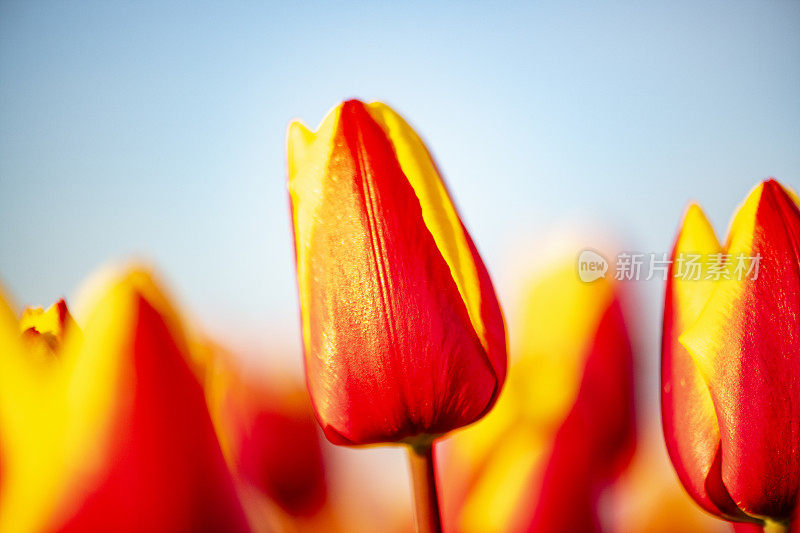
(403, 334)
(731, 360)
(110, 432)
(563, 427)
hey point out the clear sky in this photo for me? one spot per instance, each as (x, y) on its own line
(158, 131)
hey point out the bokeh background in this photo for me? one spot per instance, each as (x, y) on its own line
(157, 131)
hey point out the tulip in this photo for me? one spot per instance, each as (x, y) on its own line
(43, 331)
(403, 335)
(113, 433)
(564, 426)
(269, 435)
(731, 358)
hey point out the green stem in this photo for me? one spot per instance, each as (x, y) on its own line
(423, 477)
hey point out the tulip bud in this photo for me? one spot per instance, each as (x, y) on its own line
(730, 360)
(402, 331)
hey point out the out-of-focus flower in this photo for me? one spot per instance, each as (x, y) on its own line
(272, 443)
(403, 335)
(731, 358)
(43, 331)
(563, 427)
(269, 433)
(113, 433)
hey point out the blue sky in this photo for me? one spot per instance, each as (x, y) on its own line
(135, 129)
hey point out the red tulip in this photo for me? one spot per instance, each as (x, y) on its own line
(402, 331)
(731, 360)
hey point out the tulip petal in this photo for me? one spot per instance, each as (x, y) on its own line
(559, 320)
(746, 344)
(141, 452)
(44, 331)
(451, 238)
(690, 424)
(10, 350)
(564, 495)
(607, 381)
(53, 321)
(391, 349)
(31, 421)
(505, 487)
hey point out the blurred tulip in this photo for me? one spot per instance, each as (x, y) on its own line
(43, 331)
(563, 427)
(403, 334)
(730, 361)
(113, 434)
(270, 438)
